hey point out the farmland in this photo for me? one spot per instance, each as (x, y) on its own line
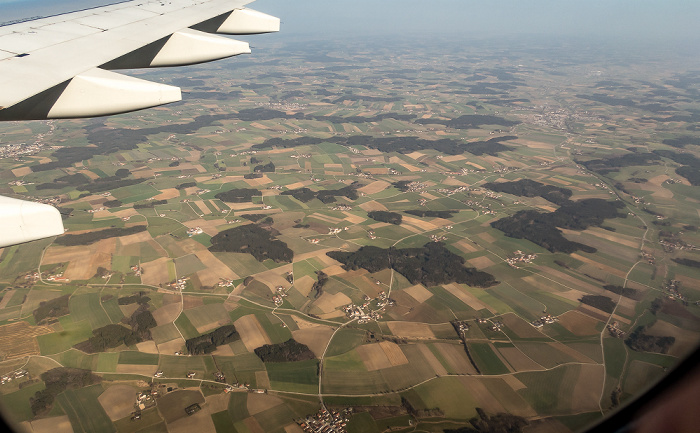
(419, 226)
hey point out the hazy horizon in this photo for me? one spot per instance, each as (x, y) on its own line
(673, 21)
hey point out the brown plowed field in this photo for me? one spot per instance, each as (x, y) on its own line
(456, 357)
(578, 323)
(19, 339)
(434, 363)
(167, 313)
(518, 360)
(520, 326)
(261, 402)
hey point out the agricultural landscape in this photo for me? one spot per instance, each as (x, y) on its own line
(424, 236)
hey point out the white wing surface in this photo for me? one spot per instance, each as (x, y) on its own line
(62, 67)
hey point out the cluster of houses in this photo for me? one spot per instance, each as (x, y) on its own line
(448, 192)
(20, 150)
(648, 257)
(614, 330)
(18, 374)
(144, 400)
(325, 421)
(671, 244)
(194, 231)
(462, 327)
(672, 286)
(504, 169)
(342, 207)
(544, 320)
(278, 298)
(335, 231)
(225, 283)
(477, 205)
(371, 234)
(236, 386)
(137, 270)
(315, 240)
(363, 313)
(20, 183)
(520, 257)
(438, 238)
(303, 155)
(58, 278)
(179, 284)
(416, 186)
(99, 209)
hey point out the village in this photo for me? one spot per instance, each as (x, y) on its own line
(325, 421)
(363, 313)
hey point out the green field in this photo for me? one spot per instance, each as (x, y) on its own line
(84, 411)
(301, 376)
(486, 359)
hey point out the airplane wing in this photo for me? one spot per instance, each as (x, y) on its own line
(63, 67)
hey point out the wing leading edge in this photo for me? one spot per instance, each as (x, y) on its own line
(57, 67)
(63, 67)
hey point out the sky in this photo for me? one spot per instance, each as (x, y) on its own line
(607, 19)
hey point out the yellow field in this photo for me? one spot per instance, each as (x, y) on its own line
(54, 424)
(419, 293)
(481, 262)
(372, 205)
(466, 297)
(375, 187)
(83, 260)
(252, 333)
(156, 271)
(411, 330)
(274, 277)
(148, 346)
(329, 303)
(168, 194)
(316, 337)
(172, 346)
(381, 355)
(22, 171)
(118, 401)
(135, 238)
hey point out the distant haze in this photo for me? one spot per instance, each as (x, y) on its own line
(644, 20)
